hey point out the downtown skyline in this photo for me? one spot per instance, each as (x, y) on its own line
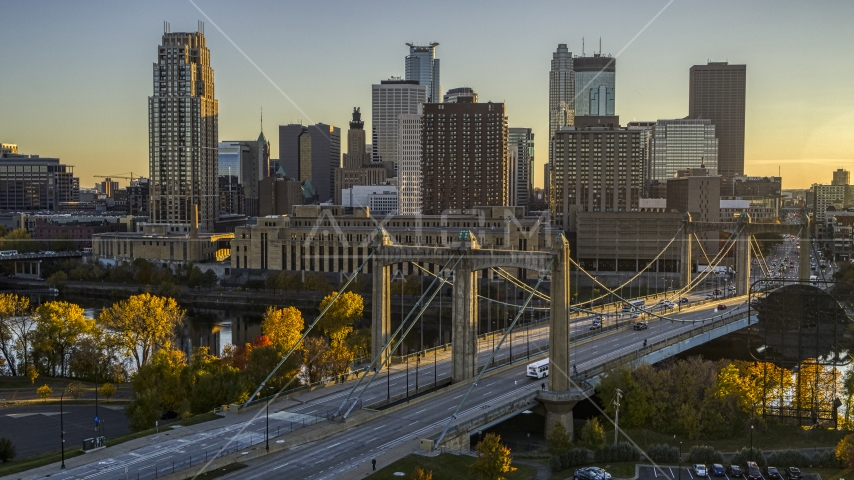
(86, 78)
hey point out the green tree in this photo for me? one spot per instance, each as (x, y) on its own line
(158, 388)
(558, 440)
(143, 323)
(283, 326)
(19, 240)
(493, 459)
(57, 280)
(211, 382)
(7, 449)
(107, 390)
(275, 281)
(59, 326)
(317, 282)
(342, 314)
(592, 434)
(11, 308)
(44, 392)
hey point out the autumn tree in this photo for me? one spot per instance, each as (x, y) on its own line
(592, 434)
(32, 374)
(44, 392)
(493, 459)
(283, 326)
(210, 382)
(419, 474)
(317, 282)
(11, 307)
(346, 310)
(107, 390)
(58, 327)
(75, 390)
(142, 324)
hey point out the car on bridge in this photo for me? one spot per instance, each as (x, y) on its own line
(722, 307)
(640, 326)
(683, 300)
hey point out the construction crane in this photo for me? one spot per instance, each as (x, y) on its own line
(132, 176)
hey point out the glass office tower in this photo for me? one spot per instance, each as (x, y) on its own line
(595, 79)
(423, 67)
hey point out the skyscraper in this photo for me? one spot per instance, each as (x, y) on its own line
(464, 156)
(841, 177)
(311, 153)
(680, 144)
(390, 99)
(247, 162)
(717, 92)
(595, 168)
(409, 181)
(521, 142)
(595, 78)
(422, 66)
(357, 168)
(183, 133)
(561, 91)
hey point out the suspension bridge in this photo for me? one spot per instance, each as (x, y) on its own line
(477, 384)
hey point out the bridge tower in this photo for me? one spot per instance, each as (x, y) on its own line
(381, 298)
(464, 319)
(685, 261)
(742, 255)
(563, 393)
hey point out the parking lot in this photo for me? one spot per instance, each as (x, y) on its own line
(648, 472)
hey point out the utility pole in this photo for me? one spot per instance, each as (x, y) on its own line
(617, 396)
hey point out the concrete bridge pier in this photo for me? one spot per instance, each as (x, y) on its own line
(381, 299)
(28, 269)
(563, 393)
(464, 338)
(685, 260)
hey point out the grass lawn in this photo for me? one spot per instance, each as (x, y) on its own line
(221, 472)
(779, 437)
(616, 469)
(445, 466)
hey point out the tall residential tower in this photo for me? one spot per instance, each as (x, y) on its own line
(182, 120)
(561, 91)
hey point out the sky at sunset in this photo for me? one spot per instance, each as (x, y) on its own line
(75, 76)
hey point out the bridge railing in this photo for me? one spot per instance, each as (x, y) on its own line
(706, 326)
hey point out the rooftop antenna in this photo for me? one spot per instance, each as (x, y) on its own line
(262, 119)
(600, 46)
(582, 46)
(201, 27)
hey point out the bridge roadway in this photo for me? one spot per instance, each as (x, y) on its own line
(358, 445)
(334, 456)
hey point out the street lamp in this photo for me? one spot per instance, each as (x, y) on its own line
(62, 429)
(680, 460)
(751, 441)
(267, 428)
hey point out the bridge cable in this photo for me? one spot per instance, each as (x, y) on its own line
(721, 254)
(308, 330)
(702, 249)
(492, 356)
(428, 272)
(399, 328)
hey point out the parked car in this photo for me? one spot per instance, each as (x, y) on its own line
(640, 326)
(718, 470)
(793, 473)
(771, 473)
(753, 472)
(734, 471)
(700, 470)
(591, 473)
(722, 307)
